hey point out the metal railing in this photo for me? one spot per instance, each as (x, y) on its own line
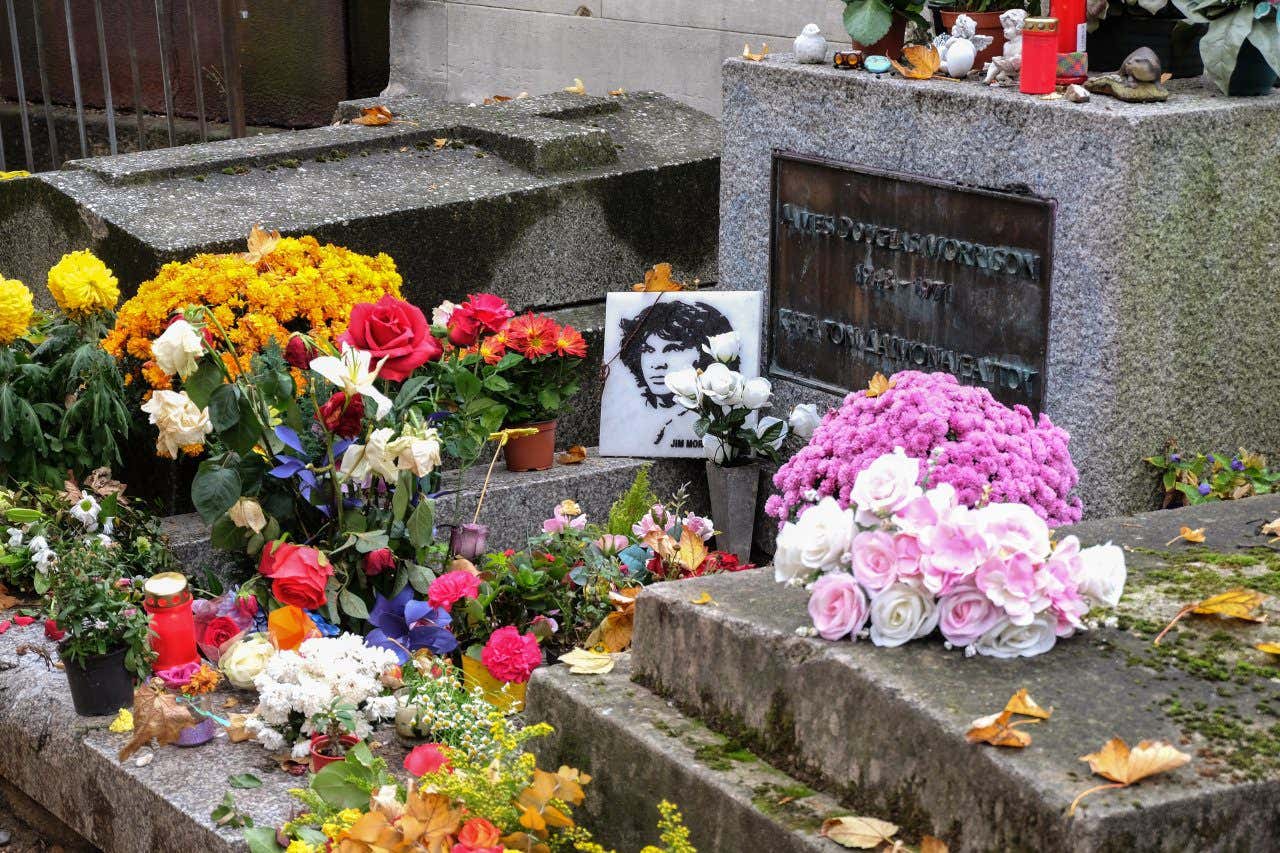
(158, 27)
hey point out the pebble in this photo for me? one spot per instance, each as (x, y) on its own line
(5, 837)
(1077, 94)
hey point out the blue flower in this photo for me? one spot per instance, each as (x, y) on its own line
(1175, 457)
(404, 625)
(1236, 464)
(1205, 489)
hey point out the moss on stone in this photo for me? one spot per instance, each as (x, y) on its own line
(722, 754)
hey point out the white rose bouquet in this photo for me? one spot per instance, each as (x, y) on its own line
(730, 406)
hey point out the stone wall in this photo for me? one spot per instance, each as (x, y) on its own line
(466, 50)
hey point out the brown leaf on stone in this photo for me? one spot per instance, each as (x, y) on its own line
(658, 280)
(1125, 766)
(578, 87)
(156, 714)
(923, 62)
(496, 99)
(1186, 534)
(375, 116)
(1269, 648)
(614, 633)
(755, 57)
(999, 730)
(1021, 703)
(6, 600)
(575, 455)
(1237, 603)
(859, 833)
(439, 142)
(617, 93)
(1272, 528)
(261, 244)
(236, 732)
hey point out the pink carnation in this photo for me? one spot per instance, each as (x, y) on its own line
(981, 444)
(445, 590)
(510, 656)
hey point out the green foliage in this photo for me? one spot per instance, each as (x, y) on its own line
(633, 505)
(62, 402)
(227, 813)
(1197, 478)
(868, 21)
(1232, 23)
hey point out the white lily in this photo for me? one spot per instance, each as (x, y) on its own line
(351, 373)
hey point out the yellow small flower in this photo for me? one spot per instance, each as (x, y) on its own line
(122, 723)
(83, 285)
(299, 846)
(15, 310)
(17, 173)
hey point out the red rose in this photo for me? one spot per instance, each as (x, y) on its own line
(298, 353)
(424, 759)
(341, 416)
(722, 561)
(298, 574)
(463, 328)
(511, 657)
(52, 631)
(394, 330)
(451, 586)
(488, 310)
(377, 562)
(219, 630)
(479, 836)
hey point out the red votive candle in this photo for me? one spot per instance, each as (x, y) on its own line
(1039, 56)
(1073, 25)
(173, 629)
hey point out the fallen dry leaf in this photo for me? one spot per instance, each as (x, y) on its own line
(1269, 648)
(1124, 766)
(375, 116)
(578, 87)
(617, 93)
(614, 632)
(755, 57)
(998, 730)
(1272, 529)
(1166, 77)
(439, 142)
(1021, 703)
(7, 600)
(261, 243)
(702, 598)
(100, 482)
(156, 714)
(497, 99)
(929, 844)
(587, 662)
(575, 455)
(923, 62)
(860, 833)
(658, 280)
(1237, 603)
(878, 385)
(1188, 535)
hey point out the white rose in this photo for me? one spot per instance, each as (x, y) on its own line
(441, 313)
(247, 512)
(377, 457)
(756, 393)
(178, 350)
(1103, 574)
(804, 420)
(684, 385)
(900, 613)
(885, 486)
(422, 453)
(787, 564)
(766, 424)
(245, 660)
(721, 385)
(825, 532)
(179, 421)
(1007, 640)
(718, 451)
(724, 348)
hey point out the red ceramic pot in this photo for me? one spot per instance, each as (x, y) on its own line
(319, 743)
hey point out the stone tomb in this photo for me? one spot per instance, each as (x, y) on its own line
(1101, 263)
(762, 734)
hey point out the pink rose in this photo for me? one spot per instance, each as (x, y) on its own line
(445, 590)
(966, 614)
(510, 656)
(885, 486)
(875, 559)
(925, 511)
(1016, 529)
(1017, 585)
(954, 548)
(837, 606)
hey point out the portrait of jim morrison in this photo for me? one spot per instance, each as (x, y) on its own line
(653, 338)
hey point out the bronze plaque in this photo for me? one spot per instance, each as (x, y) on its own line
(877, 272)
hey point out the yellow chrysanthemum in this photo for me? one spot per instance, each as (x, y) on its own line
(82, 284)
(17, 173)
(15, 310)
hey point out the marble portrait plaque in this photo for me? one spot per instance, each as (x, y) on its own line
(648, 335)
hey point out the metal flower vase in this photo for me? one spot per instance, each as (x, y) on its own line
(733, 506)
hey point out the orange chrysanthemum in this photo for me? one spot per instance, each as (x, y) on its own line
(533, 335)
(492, 349)
(570, 342)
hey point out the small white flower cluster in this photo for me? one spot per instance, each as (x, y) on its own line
(41, 554)
(451, 715)
(308, 680)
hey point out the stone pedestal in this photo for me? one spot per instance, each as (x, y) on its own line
(1163, 319)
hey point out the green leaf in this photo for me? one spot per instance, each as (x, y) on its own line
(867, 21)
(1220, 46)
(246, 432)
(509, 361)
(225, 536)
(420, 577)
(244, 780)
(201, 384)
(421, 525)
(21, 515)
(400, 496)
(332, 784)
(214, 491)
(224, 407)
(262, 839)
(467, 384)
(353, 605)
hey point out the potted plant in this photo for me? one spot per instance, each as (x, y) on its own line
(985, 14)
(879, 27)
(1241, 48)
(1119, 27)
(733, 435)
(332, 733)
(103, 630)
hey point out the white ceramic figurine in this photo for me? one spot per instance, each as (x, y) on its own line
(960, 47)
(1004, 69)
(811, 47)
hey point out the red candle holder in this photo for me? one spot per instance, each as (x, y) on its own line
(1039, 56)
(173, 629)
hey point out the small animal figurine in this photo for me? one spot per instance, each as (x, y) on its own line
(811, 47)
(1005, 68)
(1141, 66)
(1138, 81)
(959, 48)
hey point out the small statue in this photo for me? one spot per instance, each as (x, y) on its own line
(960, 47)
(1005, 68)
(1139, 79)
(811, 47)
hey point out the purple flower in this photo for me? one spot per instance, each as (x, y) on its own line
(1236, 464)
(1175, 457)
(404, 625)
(1205, 488)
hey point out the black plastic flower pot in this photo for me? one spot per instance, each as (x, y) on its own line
(1125, 29)
(1252, 76)
(100, 686)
